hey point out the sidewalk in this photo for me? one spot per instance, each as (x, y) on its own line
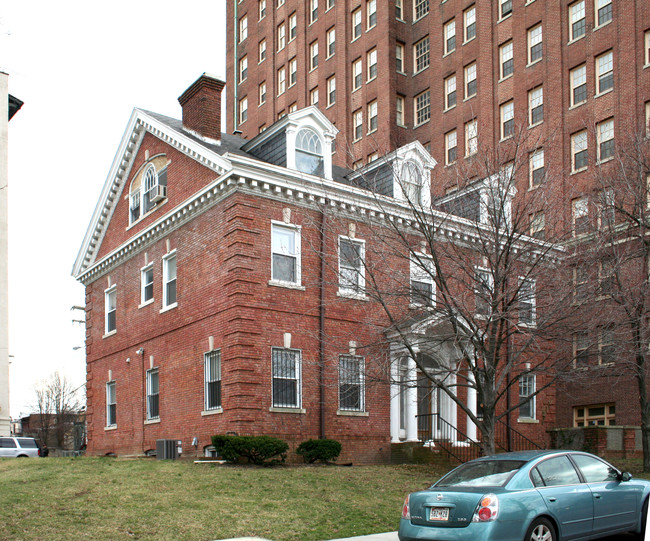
(388, 536)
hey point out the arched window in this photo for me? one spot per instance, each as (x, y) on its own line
(309, 152)
(150, 183)
(411, 180)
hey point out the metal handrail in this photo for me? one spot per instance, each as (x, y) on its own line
(527, 443)
(447, 436)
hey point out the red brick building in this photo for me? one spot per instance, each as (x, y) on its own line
(226, 291)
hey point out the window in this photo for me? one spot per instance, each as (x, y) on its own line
(153, 400)
(536, 106)
(535, 44)
(469, 17)
(286, 370)
(399, 10)
(423, 287)
(313, 96)
(421, 8)
(111, 404)
(606, 346)
(146, 284)
(110, 309)
(451, 144)
(505, 8)
(371, 13)
(450, 36)
(647, 48)
(604, 11)
(372, 116)
(580, 284)
(313, 55)
(262, 8)
(411, 182)
(421, 54)
(243, 110)
(372, 64)
(399, 111)
(579, 151)
(526, 298)
(282, 36)
(399, 57)
(351, 383)
(331, 42)
(293, 26)
(262, 93)
(285, 254)
(293, 71)
(243, 69)
(580, 215)
(606, 140)
(450, 92)
(527, 396)
(596, 415)
(357, 123)
(212, 377)
(357, 74)
(578, 85)
(507, 119)
(580, 349)
(309, 152)
(507, 60)
(422, 107)
(537, 169)
(356, 24)
(606, 208)
(471, 137)
(558, 471)
(483, 292)
(282, 80)
(577, 20)
(470, 80)
(372, 157)
(313, 11)
(331, 91)
(538, 226)
(261, 51)
(604, 72)
(351, 266)
(169, 280)
(280, 3)
(293, 107)
(330, 4)
(243, 28)
(595, 470)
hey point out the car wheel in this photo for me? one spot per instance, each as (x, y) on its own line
(541, 530)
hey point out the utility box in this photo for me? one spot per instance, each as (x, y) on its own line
(167, 449)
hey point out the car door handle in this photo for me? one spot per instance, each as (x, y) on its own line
(552, 499)
(597, 496)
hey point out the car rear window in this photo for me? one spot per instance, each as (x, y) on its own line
(486, 473)
(27, 443)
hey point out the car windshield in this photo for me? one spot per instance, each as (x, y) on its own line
(486, 473)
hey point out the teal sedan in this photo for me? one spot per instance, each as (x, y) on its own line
(527, 496)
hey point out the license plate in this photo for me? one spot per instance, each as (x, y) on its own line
(439, 513)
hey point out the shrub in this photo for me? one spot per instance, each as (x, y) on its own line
(323, 450)
(255, 449)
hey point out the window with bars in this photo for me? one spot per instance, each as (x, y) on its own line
(111, 404)
(577, 24)
(212, 379)
(579, 85)
(604, 11)
(535, 44)
(351, 383)
(450, 36)
(285, 254)
(421, 54)
(422, 107)
(169, 280)
(421, 8)
(146, 284)
(537, 169)
(110, 310)
(351, 265)
(604, 72)
(153, 395)
(605, 140)
(286, 372)
(536, 106)
(450, 92)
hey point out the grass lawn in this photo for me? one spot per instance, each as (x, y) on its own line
(113, 499)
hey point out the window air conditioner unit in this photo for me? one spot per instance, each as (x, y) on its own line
(158, 193)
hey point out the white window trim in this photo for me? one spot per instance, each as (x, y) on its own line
(289, 409)
(417, 273)
(150, 418)
(107, 292)
(350, 293)
(532, 302)
(217, 409)
(143, 272)
(532, 401)
(361, 411)
(165, 270)
(490, 284)
(111, 425)
(297, 229)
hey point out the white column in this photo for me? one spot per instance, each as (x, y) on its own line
(471, 404)
(411, 402)
(394, 400)
(453, 408)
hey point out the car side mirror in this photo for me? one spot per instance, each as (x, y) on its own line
(625, 476)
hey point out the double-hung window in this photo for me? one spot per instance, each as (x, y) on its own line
(285, 248)
(604, 11)
(169, 280)
(483, 292)
(243, 28)
(282, 80)
(261, 51)
(527, 302)
(293, 71)
(507, 61)
(535, 44)
(422, 107)
(351, 383)
(579, 151)
(262, 93)
(538, 226)
(153, 394)
(423, 287)
(606, 140)
(286, 373)
(527, 396)
(399, 111)
(421, 8)
(212, 377)
(371, 12)
(282, 36)
(469, 19)
(580, 215)
(536, 106)
(450, 92)
(356, 24)
(110, 309)
(243, 69)
(293, 26)
(331, 42)
(262, 8)
(372, 116)
(371, 58)
(578, 85)
(505, 8)
(471, 137)
(351, 266)
(243, 110)
(470, 80)
(313, 11)
(331, 91)
(604, 72)
(450, 36)
(146, 284)
(313, 55)
(577, 24)
(507, 119)
(451, 147)
(357, 74)
(421, 54)
(537, 169)
(399, 10)
(399, 57)
(581, 353)
(646, 49)
(111, 404)
(357, 124)
(313, 96)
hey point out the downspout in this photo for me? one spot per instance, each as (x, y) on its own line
(321, 330)
(235, 71)
(143, 413)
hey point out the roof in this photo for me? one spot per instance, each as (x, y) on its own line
(14, 106)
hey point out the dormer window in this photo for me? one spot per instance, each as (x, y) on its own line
(411, 179)
(147, 189)
(309, 152)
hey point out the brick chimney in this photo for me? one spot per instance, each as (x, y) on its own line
(201, 104)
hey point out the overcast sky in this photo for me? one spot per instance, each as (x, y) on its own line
(80, 67)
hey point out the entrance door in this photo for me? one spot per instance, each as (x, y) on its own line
(427, 408)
